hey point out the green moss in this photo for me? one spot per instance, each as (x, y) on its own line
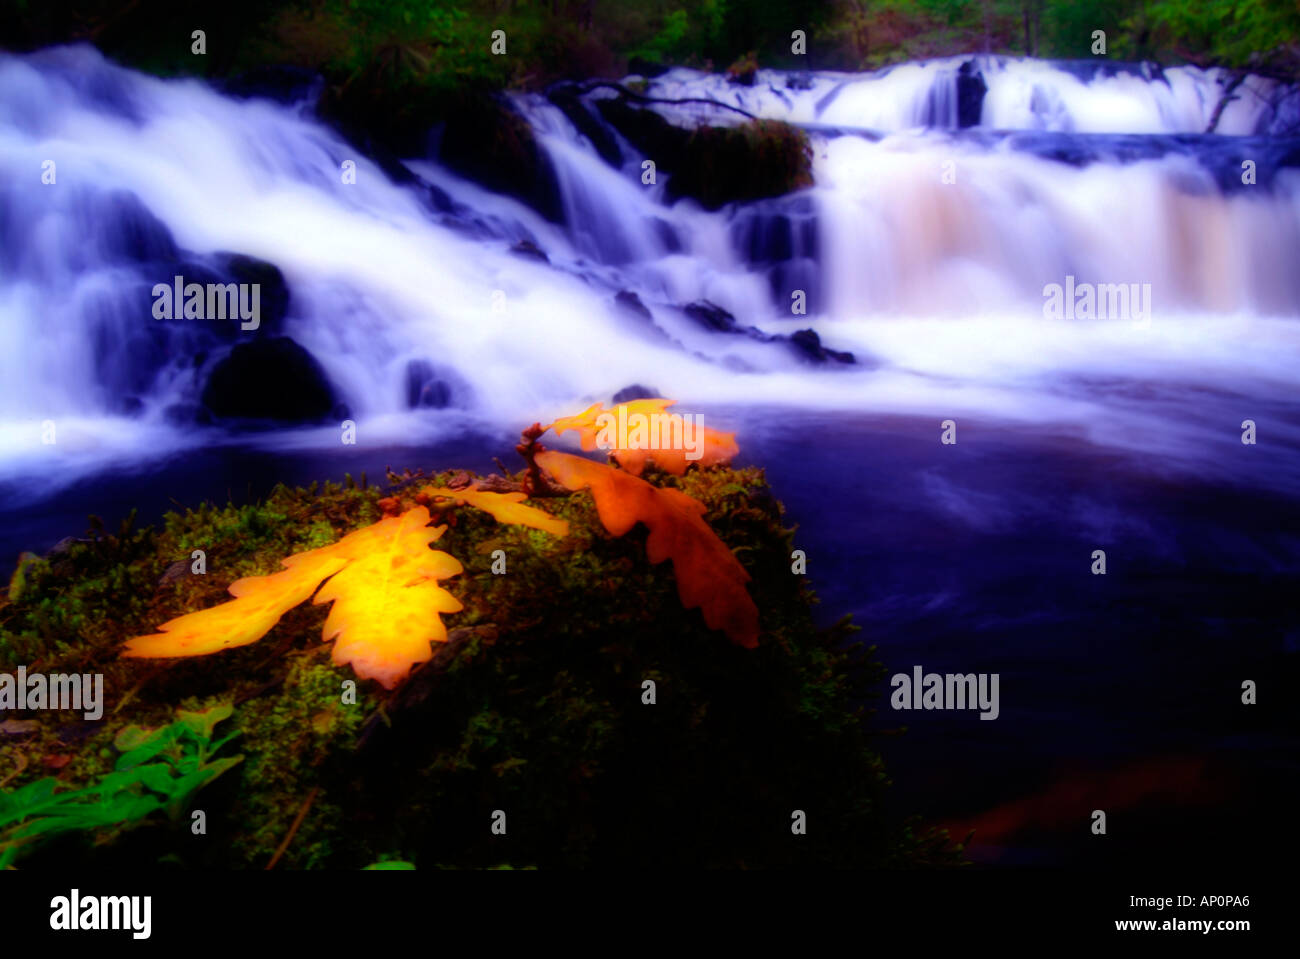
(534, 707)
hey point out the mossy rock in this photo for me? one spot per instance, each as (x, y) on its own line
(752, 161)
(717, 165)
(534, 707)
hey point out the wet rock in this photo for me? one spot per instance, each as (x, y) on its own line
(273, 378)
(738, 164)
(272, 293)
(711, 317)
(530, 250)
(970, 95)
(647, 131)
(809, 345)
(586, 123)
(632, 303)
(636, 392)
(426, 388)
(487, 142)
(126, 231)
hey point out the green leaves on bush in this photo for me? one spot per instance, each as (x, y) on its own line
(159, 769)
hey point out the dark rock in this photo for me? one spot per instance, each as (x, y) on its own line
(273, 291)
(126, 231)
(711, 316)
(487, 142)
(753, 161)
(632, 303)
(809, 345)
(647, 131)
(667, 235)
(530, 250)
(425, 389)
(586, 123)
(970, 95)
(799, 81)
(272, 378)
(644, 67)
(636, 392)
(278, 82)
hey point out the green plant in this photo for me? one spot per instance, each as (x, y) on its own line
(158, 769)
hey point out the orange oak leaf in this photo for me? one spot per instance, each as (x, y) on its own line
(643, 430)
(504, 507)
(709, 576)
(382, 580)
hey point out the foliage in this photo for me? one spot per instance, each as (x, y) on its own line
(381, 579)
(504, 508)
(1234, 32)
(715, 447)
(410, 55)
(708, 575)
(159, 769)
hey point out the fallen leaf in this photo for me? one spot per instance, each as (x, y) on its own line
(504, 507)
(382, 580)
(642, 431)
(709, 577)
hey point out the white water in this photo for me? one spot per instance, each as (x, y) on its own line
(936, 286)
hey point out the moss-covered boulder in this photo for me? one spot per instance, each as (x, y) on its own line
(717, 165)
(575, 695)
(752, 161)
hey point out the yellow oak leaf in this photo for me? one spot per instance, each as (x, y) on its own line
(382, 580)
(643, 430)
(709, 577)
(504, 507)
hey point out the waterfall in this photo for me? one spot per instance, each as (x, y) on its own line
(949, 196)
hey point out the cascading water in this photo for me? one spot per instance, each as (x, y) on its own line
(948, 196)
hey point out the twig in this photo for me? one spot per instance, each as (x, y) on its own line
(610, 84)
(293, 829)
(534, 484)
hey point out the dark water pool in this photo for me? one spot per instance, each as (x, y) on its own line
(1119, 692)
